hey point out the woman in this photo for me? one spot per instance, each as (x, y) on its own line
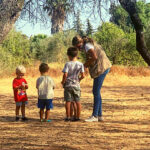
(99, 66)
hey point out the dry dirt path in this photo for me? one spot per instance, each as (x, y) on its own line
(126, 111)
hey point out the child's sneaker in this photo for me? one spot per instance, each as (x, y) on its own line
(75, 119)
(24, 119)
(17, 118)
(48, 120)
(100, 118)
(92, 119)
(41, 120)
(67, 119)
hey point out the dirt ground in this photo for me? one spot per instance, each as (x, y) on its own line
(126, 112)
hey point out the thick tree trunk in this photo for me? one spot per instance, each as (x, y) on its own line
(57, 20)
(130, 7)
(9, 13)
(57, 25)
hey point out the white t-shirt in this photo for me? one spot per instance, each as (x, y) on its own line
(88, 46)
(45, 86)
(73, 68)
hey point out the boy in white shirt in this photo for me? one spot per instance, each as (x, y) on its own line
(45, 86)
(73, 74)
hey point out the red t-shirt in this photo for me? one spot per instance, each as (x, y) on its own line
(19, 94)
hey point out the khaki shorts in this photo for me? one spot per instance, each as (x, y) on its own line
(72, 94)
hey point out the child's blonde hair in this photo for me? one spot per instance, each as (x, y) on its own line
(20, 69)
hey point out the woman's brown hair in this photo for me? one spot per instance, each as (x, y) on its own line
(77, 39)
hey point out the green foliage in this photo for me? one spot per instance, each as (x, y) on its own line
(147, 37)
(110, 36)
(132, 56)
(15, 50)
(119, 46)
(78, 26)
(54, 48)
(144, 12)
(120, 17)
(38, 46)
(89, 30)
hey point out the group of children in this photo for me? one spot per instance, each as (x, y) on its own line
(73, 73)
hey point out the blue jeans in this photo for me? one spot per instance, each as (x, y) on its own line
(98, 82)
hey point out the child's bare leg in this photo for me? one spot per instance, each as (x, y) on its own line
(41, 113)
(71, 109)
(23, 110)
(75, 109)
(47, 112)
(17, 111)
(68, 109)
(78, 109)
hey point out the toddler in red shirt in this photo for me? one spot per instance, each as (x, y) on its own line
(19, 88)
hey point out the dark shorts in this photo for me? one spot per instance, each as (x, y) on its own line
(72, 94)
(42, 103)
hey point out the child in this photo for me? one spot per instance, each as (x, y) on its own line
(71, 83)
(45, 86)
(19, 88)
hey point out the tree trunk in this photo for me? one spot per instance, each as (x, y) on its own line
(130, 7)
(9, 13)
(57, 25)
(57, 20)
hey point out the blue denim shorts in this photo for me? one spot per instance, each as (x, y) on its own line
(21, 103)
(42, 103)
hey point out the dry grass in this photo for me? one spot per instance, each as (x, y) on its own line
(126, 102)
(130, 71)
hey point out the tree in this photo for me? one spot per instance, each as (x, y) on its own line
(147, 37)
(17, 49)
(89, 30)
(38, 45)
(130, 7)
(118, 45)
(120, 17)
(57, 10)
(112, 39)
(78, 25)
(9, 13)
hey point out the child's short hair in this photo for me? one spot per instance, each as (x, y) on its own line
(72, 51)
(20, 69)
(43, 67)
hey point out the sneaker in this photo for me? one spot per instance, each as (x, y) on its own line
(48, 120)
(41, 120)
(67, 119)
(17, 118)
(24, 119)
(76, 119)
(100, 118)
(92, 119)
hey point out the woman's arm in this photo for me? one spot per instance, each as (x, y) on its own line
(92, 54)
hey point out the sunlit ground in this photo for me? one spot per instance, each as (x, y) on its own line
(126, 103)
